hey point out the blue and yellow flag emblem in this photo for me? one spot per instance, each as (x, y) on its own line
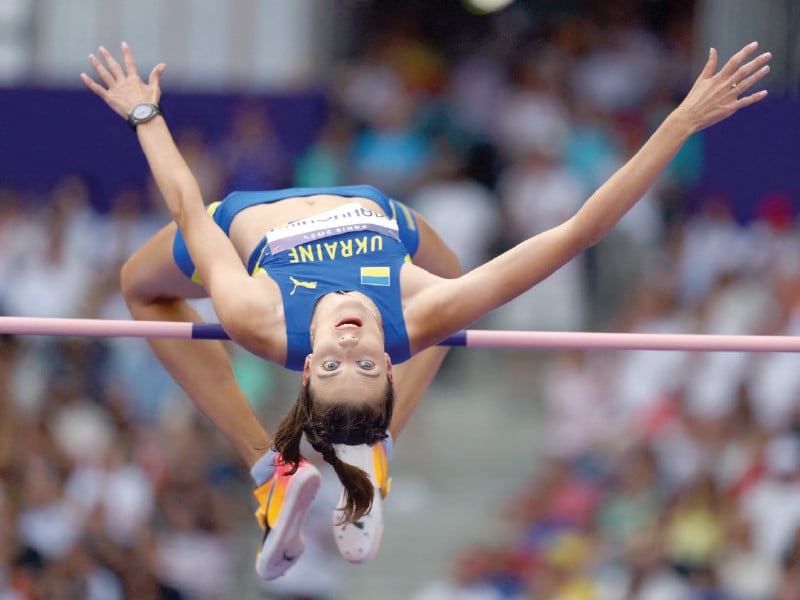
(375, 276)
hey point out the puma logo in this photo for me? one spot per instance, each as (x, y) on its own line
(306, 284)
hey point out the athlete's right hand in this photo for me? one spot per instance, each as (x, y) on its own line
(122, 89)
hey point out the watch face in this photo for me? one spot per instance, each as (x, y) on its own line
(141, 111)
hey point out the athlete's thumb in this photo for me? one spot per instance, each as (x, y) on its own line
(155, 74)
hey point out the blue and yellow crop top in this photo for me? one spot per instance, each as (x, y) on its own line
(349, 248)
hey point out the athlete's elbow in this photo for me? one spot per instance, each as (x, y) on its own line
(184, 202)
(232, 322)
(187, 210)
(581, 236)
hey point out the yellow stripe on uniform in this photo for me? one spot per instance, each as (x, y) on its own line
(210, 209)
(406, 213)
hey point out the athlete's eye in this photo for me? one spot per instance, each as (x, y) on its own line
(329, 365)
(367, 365)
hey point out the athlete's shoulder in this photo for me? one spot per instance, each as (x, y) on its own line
(255, 319)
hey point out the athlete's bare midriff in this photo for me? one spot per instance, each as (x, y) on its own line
(251, 224)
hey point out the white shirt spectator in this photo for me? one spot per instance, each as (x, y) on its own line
(539, 194)
(772, 506)
(465, 215)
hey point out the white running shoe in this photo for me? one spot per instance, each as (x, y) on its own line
(359, 542)
(283, 502)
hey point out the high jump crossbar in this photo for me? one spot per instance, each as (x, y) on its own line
(470, 338)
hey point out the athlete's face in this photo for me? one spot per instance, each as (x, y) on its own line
(348, 360)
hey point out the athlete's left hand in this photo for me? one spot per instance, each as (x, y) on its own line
(716, 96)
(123, 89)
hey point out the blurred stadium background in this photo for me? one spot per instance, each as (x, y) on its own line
(546, 475)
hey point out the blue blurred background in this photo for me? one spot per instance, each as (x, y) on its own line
(549, 475)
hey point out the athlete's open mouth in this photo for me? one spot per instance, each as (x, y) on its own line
(349, 324)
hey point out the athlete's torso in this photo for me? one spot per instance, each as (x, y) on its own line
(308, 266)
(312, 242)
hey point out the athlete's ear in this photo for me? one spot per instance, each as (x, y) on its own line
(389, 368)
(306, 370)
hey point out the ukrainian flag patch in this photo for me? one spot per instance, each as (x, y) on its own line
(375, 276)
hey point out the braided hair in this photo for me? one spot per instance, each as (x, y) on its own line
(326, 424)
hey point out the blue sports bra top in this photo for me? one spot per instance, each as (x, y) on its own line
(350, 248)
(309, 262)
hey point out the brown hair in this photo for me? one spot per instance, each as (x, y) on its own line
(326, 424)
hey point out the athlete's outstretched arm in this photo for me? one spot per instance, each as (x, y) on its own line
(155, 289)
(450, 306)
(217, 261)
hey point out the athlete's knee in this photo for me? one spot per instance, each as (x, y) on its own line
(132, 276)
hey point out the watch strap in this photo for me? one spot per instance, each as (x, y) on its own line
(133, 122)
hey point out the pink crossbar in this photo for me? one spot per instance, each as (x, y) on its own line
(473, 338)
(94, 327)
(631, 341)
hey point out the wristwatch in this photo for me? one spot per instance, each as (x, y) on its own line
(142, 113)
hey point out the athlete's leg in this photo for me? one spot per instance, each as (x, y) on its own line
(359, 542)
(156, 290)
(413, 377)
(411, 380)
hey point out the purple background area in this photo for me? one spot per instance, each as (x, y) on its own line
(46, 134)
(753, 154)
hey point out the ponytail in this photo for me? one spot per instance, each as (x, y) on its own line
(289, 435)
(327, 424)
(358, 489)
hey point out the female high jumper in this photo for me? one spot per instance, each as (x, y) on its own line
(350, 287)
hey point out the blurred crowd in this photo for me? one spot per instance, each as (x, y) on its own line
(667, 474)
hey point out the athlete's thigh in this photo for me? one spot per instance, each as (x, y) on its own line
(433, 254)
(152, 273)
(411, 381)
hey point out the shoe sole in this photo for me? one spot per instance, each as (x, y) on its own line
(359, 542)
(285, 542)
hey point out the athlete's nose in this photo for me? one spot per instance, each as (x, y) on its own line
(347, 340)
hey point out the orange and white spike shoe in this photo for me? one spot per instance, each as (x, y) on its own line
(359, 542)
(283, 502)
